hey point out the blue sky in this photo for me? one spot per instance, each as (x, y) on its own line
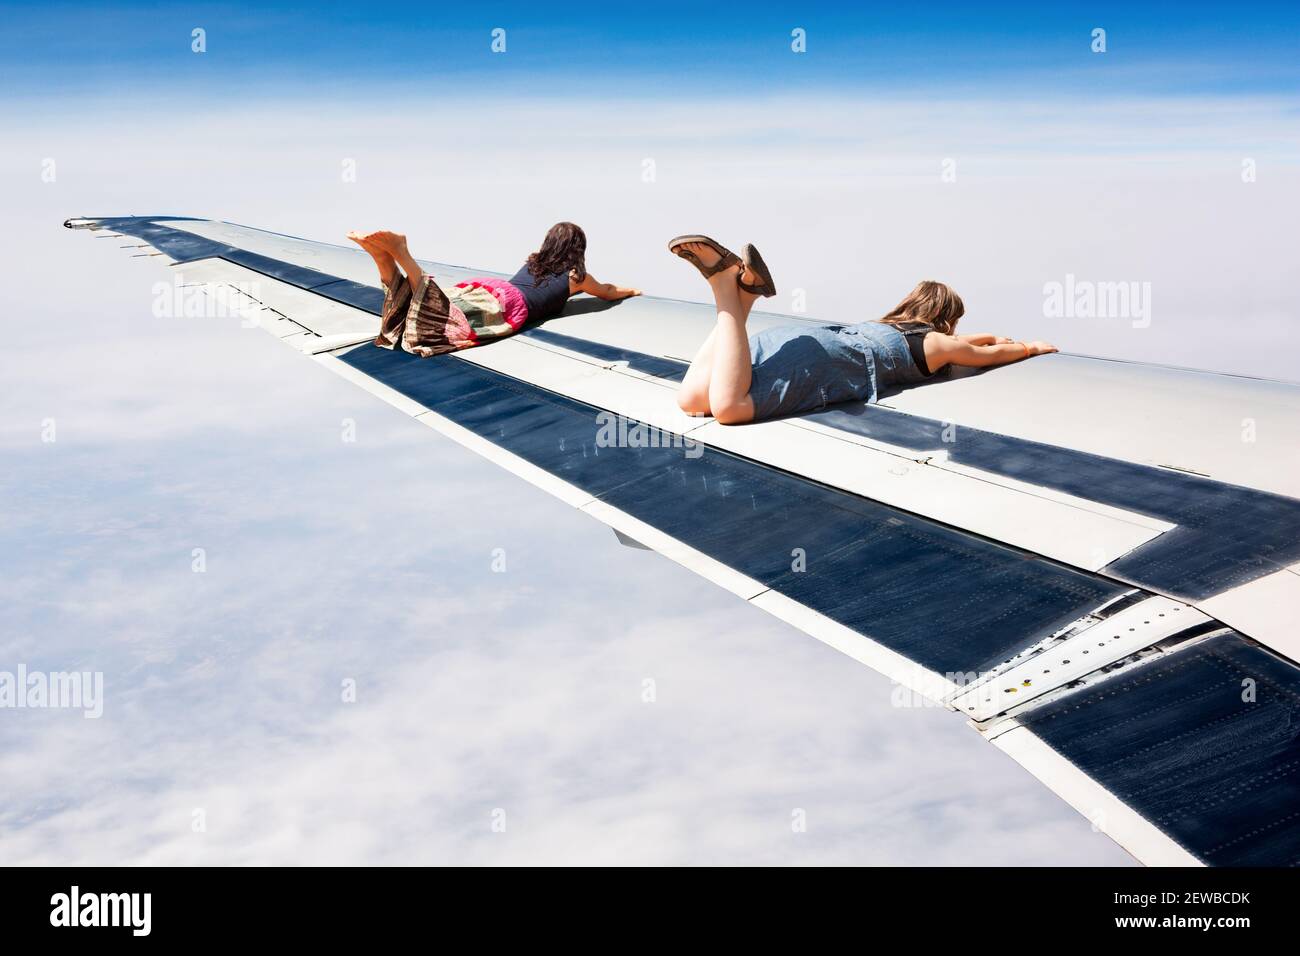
(571, 49)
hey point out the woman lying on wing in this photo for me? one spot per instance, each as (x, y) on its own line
(736, 378)
(428, 321)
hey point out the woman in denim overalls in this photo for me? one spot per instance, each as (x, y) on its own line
(791, 369)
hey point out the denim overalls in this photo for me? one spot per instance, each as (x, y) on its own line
(801, 368)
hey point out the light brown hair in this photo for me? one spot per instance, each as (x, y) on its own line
(930, 303)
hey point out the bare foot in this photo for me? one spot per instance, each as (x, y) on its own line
(391, 246)
(393, 243)
(383, 258)
(366, 241)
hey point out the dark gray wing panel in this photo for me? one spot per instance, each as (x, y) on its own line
(1204, 743)
(1226, 535)
(950, 601)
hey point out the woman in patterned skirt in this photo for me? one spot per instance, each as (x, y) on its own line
(427, 320)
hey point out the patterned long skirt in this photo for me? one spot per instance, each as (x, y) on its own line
(431, 321)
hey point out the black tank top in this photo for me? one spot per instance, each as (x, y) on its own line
(915, 333)
(545, 297)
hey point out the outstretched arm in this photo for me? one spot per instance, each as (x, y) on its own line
(984, 338)
(601, 290)
(941, 350)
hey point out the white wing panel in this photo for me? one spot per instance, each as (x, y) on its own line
(1264, 608)
(1234, 429)
(307, 312)
(1075, 532)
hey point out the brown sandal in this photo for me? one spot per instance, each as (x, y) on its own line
(765, 287)
(728, 259)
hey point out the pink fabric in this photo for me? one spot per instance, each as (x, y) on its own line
(458, 330)
(428, 321)
(512, 300)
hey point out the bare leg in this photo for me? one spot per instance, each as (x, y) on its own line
(693, 393)
(394, 243)
(733, 365)
(383, 259)
(723, 369)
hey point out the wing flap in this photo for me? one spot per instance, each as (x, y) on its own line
(1200, 742)
(1106, 812)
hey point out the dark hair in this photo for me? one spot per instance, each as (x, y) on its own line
(563, 250)
(930, 303)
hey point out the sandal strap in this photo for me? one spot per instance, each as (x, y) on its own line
(726, 261)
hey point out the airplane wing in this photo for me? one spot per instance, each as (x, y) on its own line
(1096, 562)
